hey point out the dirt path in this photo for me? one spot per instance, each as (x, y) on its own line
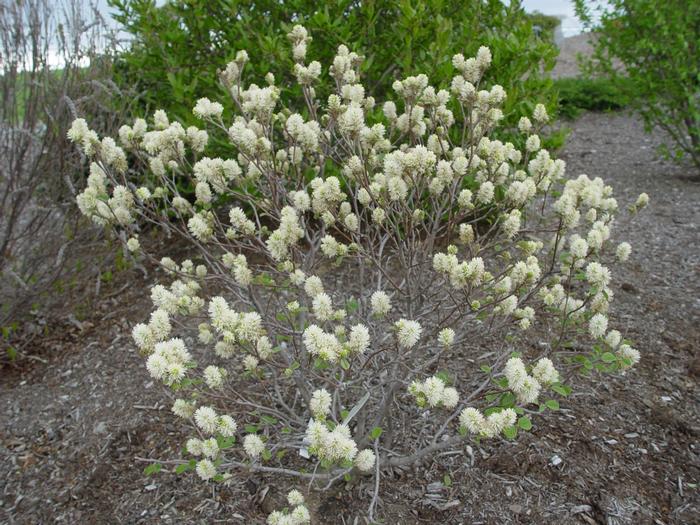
(624, 454)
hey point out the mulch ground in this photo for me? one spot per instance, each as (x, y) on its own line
(73, 420)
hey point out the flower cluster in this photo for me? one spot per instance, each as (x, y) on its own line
(298, 515)
(434, 393)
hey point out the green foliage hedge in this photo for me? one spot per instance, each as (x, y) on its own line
(577, 94)
(177, 48)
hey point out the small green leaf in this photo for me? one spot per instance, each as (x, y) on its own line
(376, 433)
(251, 429)
(552, 404)
(344, 364)
(268, 420)
(180, 469)
(608, 357)
(447, 480)
(561, 389)
(486, 369)
(352, 305)
(444, 377)
(525, 423)
(507, 400)
(266, 455)
(510, 432)
(153, 468)
(225, 442)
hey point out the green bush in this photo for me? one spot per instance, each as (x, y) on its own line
(579, 94)
(658, 46)
(544, 24)
(177, 48)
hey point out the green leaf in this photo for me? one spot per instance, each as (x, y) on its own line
(561, 389)
(251, 429)
(153, 468)
(552, 404)
(344, 364)
(180, 469)
(225, 442)
(486, 369)
(525, 423)
(266, 455)
(376, 433)
(268, 420)
(447, 480)
(352, 305)
(608, 357)
(507, 400)
(510, 432)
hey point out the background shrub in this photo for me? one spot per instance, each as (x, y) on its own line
(577, 94)
(177, 48)
(658, 46)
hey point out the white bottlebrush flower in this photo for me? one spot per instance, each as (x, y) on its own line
(213, 376)
(205, 108)
(380, 303)
(578, 247)
(210, 448)
(183, 409)
(485, 193)
(545, 372)
(365, 460)
(524, 125)
(295, 498)
(540, 114)
(206, 469)
(300, 515)
(313, 286)
(194, 446)
(532, 144)
(499, 421)
(206, 419)
(250, 363)
(529, 391)
(408, 332)
(629, 353)
(323, 307)
(227, 426)
(472, 420)
(450, 397)
(253, 445)
(623, 251)
(320, 404)
(446, 337)
(642, 201)
(133, 244)
(613, 338)
(597, 325)
(359, 339)
(515, 373)
(597, 274)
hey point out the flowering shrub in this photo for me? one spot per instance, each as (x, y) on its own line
(333, 318)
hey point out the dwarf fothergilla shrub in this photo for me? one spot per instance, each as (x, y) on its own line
(349, 263)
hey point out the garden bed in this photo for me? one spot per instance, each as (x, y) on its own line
(73, 424)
